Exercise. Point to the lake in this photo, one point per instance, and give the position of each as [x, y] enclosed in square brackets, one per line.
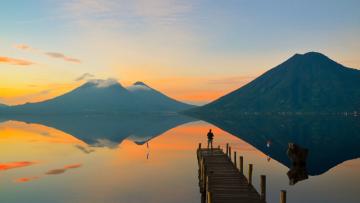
[153, 158]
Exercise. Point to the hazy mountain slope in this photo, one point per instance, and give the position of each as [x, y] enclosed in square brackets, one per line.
[93, 96]
[103, 96]
[304, 83]
[156, 99]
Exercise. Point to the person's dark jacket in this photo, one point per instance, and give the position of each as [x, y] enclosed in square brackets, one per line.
[210, 135]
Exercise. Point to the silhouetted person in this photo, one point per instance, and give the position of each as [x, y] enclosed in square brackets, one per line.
[210, 136]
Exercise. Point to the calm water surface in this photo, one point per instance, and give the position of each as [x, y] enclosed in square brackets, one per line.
[44, 164]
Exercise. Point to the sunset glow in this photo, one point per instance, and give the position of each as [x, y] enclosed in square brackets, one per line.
[179, 101]
[177, 47]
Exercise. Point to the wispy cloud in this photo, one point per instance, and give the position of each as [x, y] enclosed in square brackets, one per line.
[126, 12]
[14, 61]
[56, 55]
[104, 83]
[26, 179]
[62, 56]
[55, 171]
[50, 172]
[84, 76]
[72, 166]
[12, 165]
[23, 47]
[58, 171]
[86, 150]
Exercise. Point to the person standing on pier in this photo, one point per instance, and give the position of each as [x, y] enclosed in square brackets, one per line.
[210, 136]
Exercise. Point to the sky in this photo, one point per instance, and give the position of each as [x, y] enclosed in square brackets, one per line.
[192, 50]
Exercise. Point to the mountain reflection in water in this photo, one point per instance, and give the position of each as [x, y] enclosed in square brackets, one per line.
[109, 131]
[328, 140]
[307, 145]
[50, 161]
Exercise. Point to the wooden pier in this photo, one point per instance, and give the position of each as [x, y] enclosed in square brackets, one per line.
[221, 181]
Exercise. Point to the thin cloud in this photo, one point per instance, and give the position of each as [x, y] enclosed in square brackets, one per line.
[23, 47]
[55, 171]
[84, 149]
[26, 179]
[104, 83]
[72, 166]
[57, 55]
[62, 56]
[13, 165]
[58, 171]
[46, 134]
[98, 12]
[84, 76]
[50, 172]
[13, 61]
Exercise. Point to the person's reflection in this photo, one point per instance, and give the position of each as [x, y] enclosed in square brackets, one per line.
[268, 158]
[148, 151]
[268, 145]
[298, 157]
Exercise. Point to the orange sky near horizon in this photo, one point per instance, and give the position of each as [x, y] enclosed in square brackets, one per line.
[192, 90]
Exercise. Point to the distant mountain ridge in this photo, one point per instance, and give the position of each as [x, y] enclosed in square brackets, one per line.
[105, 96]
[307, 83]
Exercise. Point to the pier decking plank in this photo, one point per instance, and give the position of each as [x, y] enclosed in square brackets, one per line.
[221, 181]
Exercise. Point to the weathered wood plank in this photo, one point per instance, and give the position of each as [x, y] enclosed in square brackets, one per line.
[221, 181]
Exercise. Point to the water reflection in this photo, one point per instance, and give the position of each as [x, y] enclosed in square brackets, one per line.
[298, 156]
[109, 131]
[43, 164]
[329, 140]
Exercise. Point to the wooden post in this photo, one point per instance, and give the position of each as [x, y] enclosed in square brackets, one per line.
[207, 184]
[235, 159]
[198, 151]
[201, 169]
[209, 197]
[229, 153]
[241, 164]
[204, 178]
[250, 174]
[263, 188]
[227, 148]
[283, 196]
